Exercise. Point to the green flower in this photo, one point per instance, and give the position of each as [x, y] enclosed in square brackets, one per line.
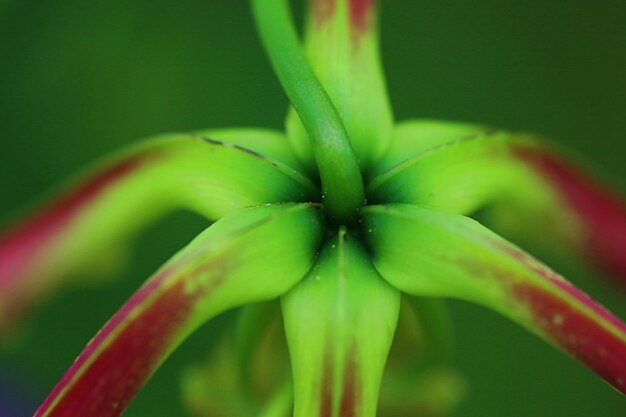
[336, 219]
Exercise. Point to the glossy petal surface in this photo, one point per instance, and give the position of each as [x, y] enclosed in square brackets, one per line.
[339, 322]
[104, 207]
[231, 264]
[423, 252]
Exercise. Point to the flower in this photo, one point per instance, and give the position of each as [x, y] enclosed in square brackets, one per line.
[338, 263]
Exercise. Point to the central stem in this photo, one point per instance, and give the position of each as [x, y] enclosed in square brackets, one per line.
[342, 184]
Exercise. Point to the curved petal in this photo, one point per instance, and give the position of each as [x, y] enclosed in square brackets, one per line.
[247, 374]
[272, 144]
[457, 176]
[418, 379]
[424, 252]
[341, 40]
[111, 202]
[413, 137]
[232, 263]
[529, 191]
[339, 323]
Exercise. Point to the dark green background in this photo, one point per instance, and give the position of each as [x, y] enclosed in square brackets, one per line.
[81, 78]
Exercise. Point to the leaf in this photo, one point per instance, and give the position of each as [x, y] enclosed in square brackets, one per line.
[106, 205]
[231, 264]
[338, 347]
[341, 40]
[429, 253]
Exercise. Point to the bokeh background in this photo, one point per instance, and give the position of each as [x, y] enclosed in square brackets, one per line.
[81, 78]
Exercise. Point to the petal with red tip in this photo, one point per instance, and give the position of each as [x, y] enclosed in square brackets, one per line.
[341, 42]
[425, 252]
[110, 203]
[339, 322]
[527, 189]
[232, 263]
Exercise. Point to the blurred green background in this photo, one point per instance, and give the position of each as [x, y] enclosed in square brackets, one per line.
[79, 79]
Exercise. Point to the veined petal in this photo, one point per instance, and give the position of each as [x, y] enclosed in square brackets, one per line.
[413, 137]
[231, 264]
[339, 322]
[456, 177]
[271, 144]
[342, 44]
[529, 191]
[111, 202]
[425, 252]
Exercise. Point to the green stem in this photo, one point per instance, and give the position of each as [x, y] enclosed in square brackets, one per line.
[342, 184]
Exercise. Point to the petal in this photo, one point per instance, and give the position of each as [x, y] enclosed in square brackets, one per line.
[232, 263]
[339, 322]
[248, 372]
[599, 214]
[272, 144]
[341, 40]
[111, 202]
[456, 177]
[418, 380]
[529, 190]
[413, 137]
[424, 252]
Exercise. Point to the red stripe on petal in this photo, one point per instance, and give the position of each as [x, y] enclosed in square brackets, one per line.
[349, 389]
[323, 10]
[577, 333]
[326, 389]
[23, 244]
[107, 385]
[360, 14]
[602, 214]
[555, 279]
[124, 354]
[22, 241]
[347, 407]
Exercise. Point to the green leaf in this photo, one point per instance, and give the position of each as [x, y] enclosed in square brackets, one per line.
[342, 45]
[338, 347]
[231, 264]
[111, 202]
[413, 137]
[430, 253]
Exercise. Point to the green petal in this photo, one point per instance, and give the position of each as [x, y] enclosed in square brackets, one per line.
[418, 380]
[342, 44]
[231, 264]
[413, 137]
[526, 190]
[429, 253]
[272, 144]
[338, 347]
[111, 202]
[247, 373]
[459, 176]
